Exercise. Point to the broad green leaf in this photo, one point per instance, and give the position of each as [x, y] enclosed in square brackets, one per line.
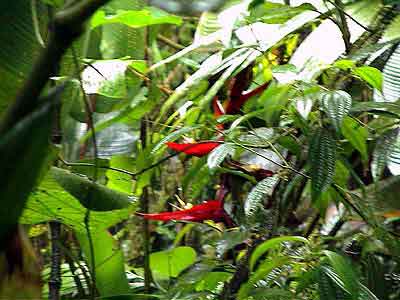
[370, 75]
[258, 137]
[357, 135]
[109, 264]
[93, 196]
[119, 181]
[170, 263]
[257, 196]
[24, 155]
[336, 105]
[18, 49]
[345, 272]
[135, 18]
[212, 280]
[50, 202]
[265, 293]
[322, 158]
[218, 155]
[382, 152]
[272, 243]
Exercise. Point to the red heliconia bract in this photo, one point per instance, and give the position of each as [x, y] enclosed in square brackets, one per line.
[210, 210]
[197, 149]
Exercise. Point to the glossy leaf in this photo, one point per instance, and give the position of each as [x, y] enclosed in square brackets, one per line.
[170, 263]
[135, 18]
[370, 75]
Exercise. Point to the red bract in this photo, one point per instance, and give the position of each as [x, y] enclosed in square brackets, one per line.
[197, 149]
[210, 210]
[236, 102]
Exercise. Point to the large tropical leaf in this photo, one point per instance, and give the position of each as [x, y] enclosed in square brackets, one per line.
[337, 105]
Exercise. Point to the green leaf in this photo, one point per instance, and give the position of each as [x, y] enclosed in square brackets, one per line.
[328, 288]
[229, 240]
[212, 280]
[272, 243]
[118, 181]
[382, 152]
[18, 49]
[258, 195]
[357, 135]
[336, 105]
[344, 64]
[274, 100]
[170, 263]
[263, 270]
[370, 75]
[24, 155]
[108, 260]
[135, 18]
[345, 272]
[322, 158]
[92, 195]
[386, 108]
[50, 202]
[276, 13]
[173, 136]
[218, 155]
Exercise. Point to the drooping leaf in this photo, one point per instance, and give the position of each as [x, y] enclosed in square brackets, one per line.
[135, 18]
[337, 105]
[322, 157]
[229, 240]
[217, 156]
[384, 148]
[92, 195]
[357, 135]
[50, 202]
[170, 263]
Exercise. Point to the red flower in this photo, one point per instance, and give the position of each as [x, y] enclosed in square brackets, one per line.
[210, 210]
[197, 149]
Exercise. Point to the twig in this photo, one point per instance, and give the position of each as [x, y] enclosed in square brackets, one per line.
[349, 16]
[162, 88]
[35, 22]
[170, 42]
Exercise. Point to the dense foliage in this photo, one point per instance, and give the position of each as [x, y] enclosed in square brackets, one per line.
[251, 151]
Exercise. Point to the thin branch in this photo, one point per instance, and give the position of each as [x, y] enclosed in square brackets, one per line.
[349, 16]
[344, 28]
[35, 22]
[170, 42]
